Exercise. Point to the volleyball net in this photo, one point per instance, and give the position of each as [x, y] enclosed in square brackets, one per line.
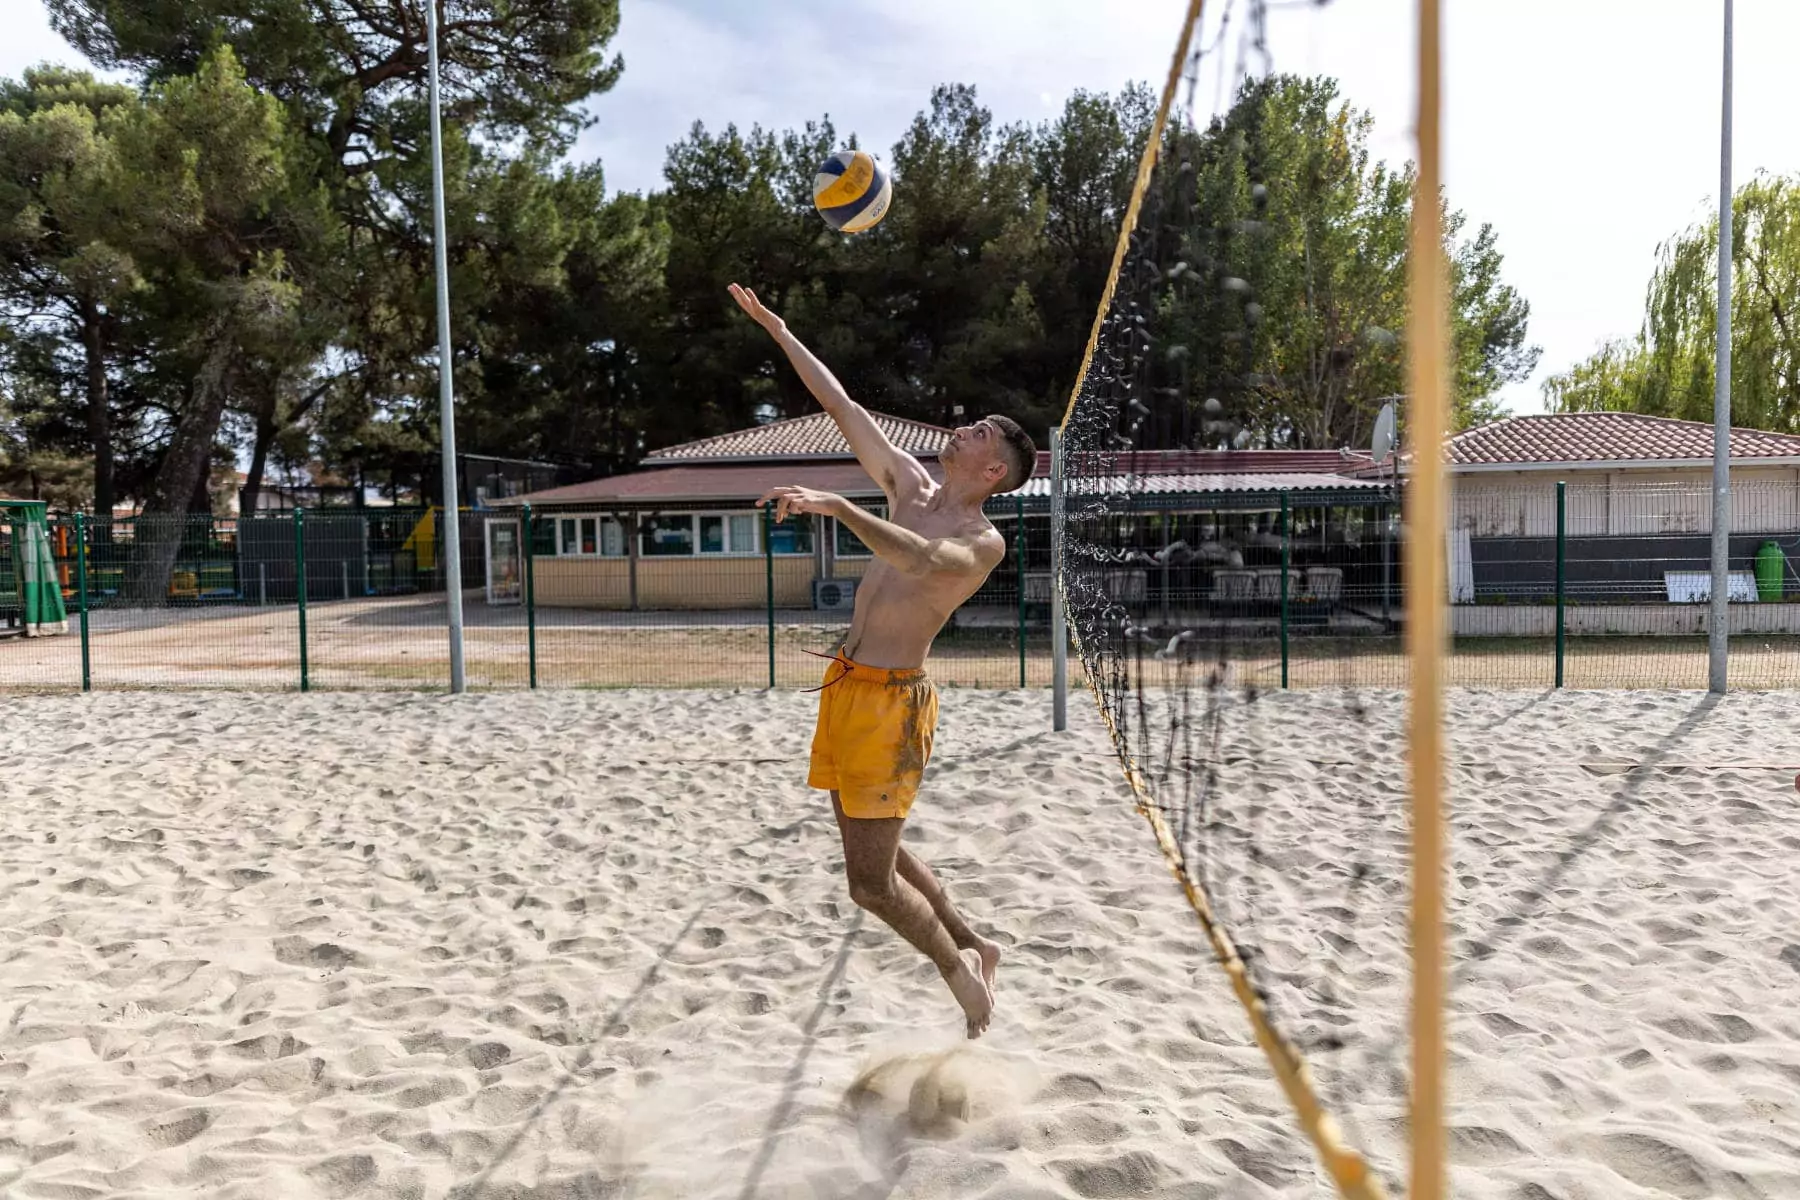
[1185, 558]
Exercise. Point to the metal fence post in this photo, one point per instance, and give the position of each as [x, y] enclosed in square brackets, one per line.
[531, 593]
[1059, 630]
[81, 596]
[300, 592]
[1287, 544]
[1019, 554]
[1562, 545]
[769, 582]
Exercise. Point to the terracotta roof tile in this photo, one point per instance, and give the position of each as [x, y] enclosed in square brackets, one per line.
[1606, 437]
[813, 436]
[736, 484]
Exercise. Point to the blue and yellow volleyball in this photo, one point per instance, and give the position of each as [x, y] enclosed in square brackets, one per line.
[851, 191]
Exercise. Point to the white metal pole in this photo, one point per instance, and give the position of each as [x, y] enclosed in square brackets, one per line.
[1719, 627]
[450, 545]
[1059, 632]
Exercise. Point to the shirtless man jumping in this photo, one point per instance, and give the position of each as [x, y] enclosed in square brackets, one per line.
[877, 709]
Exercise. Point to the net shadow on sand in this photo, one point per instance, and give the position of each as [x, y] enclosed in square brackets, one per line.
[790, 1086]
[575, 1076]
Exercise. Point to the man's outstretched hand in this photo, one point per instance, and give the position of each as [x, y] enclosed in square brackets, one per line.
[792, 498]
[749, 303]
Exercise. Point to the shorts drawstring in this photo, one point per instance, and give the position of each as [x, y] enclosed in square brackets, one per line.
[834, 657]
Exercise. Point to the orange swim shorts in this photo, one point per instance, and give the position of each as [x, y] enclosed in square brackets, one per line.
[873, 737]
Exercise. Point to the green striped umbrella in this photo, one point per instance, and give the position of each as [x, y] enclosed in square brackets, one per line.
[40, 591]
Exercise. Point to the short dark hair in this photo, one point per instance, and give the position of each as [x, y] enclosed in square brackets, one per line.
[1020, 452]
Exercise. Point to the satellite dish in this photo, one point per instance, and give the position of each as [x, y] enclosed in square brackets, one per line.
[1382, 444]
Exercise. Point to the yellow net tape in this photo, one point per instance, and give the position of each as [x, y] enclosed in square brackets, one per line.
[1146, 164]
[1347, 1169]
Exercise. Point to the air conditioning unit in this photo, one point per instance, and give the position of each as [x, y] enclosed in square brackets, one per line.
[834, 594]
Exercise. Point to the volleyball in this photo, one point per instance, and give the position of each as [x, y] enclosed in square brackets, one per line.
[851, 191]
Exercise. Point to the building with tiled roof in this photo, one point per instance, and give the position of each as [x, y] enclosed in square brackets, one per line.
[633, 540]
[683, 530]
[1610, 440]
[1637, 507]
[1625, 474]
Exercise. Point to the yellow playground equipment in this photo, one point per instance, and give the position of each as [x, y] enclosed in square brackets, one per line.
[422, 541]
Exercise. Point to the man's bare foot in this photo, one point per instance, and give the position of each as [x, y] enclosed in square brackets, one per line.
[990, 959]
[971, 991]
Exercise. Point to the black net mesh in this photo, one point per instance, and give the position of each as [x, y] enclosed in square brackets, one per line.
[1201, 588]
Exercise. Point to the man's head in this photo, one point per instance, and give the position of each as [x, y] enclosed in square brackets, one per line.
[994, 452]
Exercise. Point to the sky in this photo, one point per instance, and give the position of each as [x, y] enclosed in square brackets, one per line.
[1585, 131]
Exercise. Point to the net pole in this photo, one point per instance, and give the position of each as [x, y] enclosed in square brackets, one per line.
[1562, 573]
[81, 590]
[1019, 556]
[1424, 599]
[452, 539]
[300, 593]
[1387, 549]
[531, 596]
[768, 584]
[1059, 630]
[1719, 627]
[1286, 557]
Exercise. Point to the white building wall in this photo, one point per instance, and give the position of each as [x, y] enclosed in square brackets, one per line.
[1615, 503]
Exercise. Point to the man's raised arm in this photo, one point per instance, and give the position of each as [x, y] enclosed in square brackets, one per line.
[886, 463]
[976, 550]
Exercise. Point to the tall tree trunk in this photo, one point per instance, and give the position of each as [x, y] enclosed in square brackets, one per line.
[266, 429]
[268, 425]
[157, 536]
[99, 413]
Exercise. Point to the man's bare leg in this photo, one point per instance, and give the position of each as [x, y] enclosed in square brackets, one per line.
[870, 850]
[918, 873]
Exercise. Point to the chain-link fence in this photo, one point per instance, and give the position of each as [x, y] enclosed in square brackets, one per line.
[1602, 585]
[1611, 582]
[1606, 587]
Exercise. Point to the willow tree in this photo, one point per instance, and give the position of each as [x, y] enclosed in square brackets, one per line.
[1667, 369]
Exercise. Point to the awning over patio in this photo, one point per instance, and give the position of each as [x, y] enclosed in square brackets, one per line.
[740, 485]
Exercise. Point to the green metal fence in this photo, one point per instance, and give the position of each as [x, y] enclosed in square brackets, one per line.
[1579, 586]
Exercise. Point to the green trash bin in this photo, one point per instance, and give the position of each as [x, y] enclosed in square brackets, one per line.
[1771, 572]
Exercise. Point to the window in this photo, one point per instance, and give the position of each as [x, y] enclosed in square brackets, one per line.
[846, 543]
[705, 534]
[712, 535]
[543, 536]
[587, 537]
[672, 535]
[792, 536]
[667, 535]
[568, 534]
[728, 533]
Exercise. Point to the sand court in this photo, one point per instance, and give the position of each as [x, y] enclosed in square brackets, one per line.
[580, 945]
